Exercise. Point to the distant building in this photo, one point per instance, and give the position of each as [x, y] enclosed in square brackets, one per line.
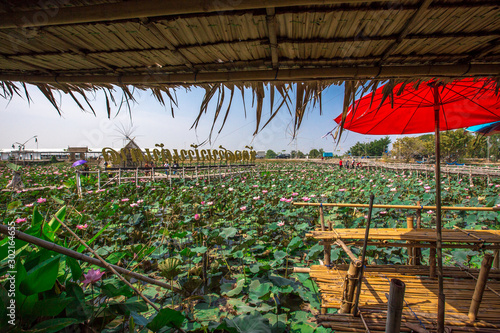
[77, 151]
[260, 154]
[327, 154]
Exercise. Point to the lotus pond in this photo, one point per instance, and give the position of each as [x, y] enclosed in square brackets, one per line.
[226, 246]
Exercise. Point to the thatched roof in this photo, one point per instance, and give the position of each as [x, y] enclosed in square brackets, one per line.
[84, 45]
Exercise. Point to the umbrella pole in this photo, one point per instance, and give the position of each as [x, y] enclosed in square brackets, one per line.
[441, 303]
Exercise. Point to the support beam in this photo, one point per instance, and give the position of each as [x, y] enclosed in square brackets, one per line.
[284, 75]
[402, 34]
[140, 8]
[273, 39]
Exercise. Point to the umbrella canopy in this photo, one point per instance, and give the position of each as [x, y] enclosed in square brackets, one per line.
[410, 109]
[421, 108]
[79, 162]
[486, 129]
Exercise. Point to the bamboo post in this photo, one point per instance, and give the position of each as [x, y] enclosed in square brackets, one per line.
[322, 218]
[418, 251]
[153, 174]
[480, 286]
[99, 179]
[327, 251]
[395, 306]
[183, 174]
[496, 259]
[120, 176]
[350, 282]
[170, 175]
[411, 250]
[196, 171]
[78, 184]
[136, 176]
[432, 260]
[354, 309]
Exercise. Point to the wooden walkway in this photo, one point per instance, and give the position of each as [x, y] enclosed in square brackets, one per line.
[420, 307]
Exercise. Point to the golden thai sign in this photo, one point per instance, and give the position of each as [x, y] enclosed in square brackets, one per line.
[161, 155]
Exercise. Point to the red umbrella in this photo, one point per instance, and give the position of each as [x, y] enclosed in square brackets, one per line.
[421, 108]
[463, 103]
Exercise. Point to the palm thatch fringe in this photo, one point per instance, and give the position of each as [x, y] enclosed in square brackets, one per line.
[307, 95]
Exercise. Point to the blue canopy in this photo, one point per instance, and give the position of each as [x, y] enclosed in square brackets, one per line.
[486, 129]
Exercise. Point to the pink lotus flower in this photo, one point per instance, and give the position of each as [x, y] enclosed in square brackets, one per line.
[92, 277]
[306, 198]
[210, 203]
[197, 217]
[60, 187]
[41, 200]
[231, 189]
[430, 212]
[203, 202]
[21, 220]
[294, 194]
[281, 223]
[257, 197]
[255, 185]
[29, 205]
[243, 208]
[289, 200]
[125, 199]
[82, 226]
[134, 204]
[264, 191]
[342, 189]
[140, 201]
[283, 199]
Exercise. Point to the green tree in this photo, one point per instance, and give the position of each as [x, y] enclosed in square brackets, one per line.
[270, 154]
[408, 147]
[373, 148]
[456, 145]
[314, 153]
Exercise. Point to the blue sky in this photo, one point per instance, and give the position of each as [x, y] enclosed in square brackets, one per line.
[153, 123]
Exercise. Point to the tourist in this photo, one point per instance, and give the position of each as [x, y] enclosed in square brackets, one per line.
[175, 166]
[85, 169]
[340, 164]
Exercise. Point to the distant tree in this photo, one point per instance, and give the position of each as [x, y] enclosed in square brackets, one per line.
[378, 147]
[270, 154]
[359, 149]
[408, 147]
[300, 154]
[314, 153]
[373, 148]
[456, 145]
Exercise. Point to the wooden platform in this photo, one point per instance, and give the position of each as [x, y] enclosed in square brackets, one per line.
[401, 236]
[420, 299]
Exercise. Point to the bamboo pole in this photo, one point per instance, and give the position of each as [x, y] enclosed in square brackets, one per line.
[120, 176]
[496, 259]
[136, 9]
[411, 250]
[432, 261]
[395, 306]
[485, 209]
[354, 309]
[79, 256]
[108, 266]
[284, 75]
[355, 261]
[352, 274]
[480, 286]
[322, 217]
[99, 179]
[327, 253]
